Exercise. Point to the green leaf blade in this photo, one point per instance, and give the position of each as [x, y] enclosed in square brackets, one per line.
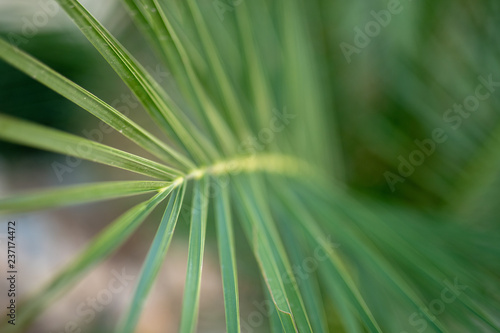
[16, 131]
[197, 233]
[154, 259]
[226, 87]
[76, 194]
[227, 256]
[90, 103]
[156, 101]
[336, 267]
[307, 282]
[99, 248]
[271, 255]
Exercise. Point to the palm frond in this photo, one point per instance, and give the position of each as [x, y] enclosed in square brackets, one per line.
[285, 139]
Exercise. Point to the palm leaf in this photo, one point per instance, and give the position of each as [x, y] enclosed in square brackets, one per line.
[103, 245]
[295, 181]
[152, 263]
[272, 258]
[77, 194]
[225, 238]
[13, 130]
[154, 99]
[195, 257]
[89, 102]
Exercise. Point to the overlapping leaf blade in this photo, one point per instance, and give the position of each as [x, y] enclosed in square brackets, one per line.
[89, 102]
[305, 269]
[271, 255]
[175, 49]
[155, 100]
[225, 238]
[335, 265]
[196, 250]
[154, 259]
[104, 244]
